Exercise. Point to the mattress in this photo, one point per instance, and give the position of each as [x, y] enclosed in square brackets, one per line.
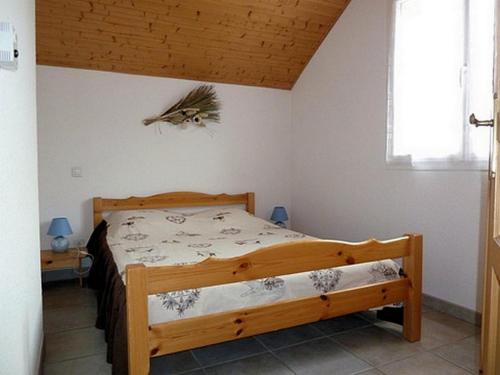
[163, 237]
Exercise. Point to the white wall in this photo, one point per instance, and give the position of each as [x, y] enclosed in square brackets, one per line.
[93, 120]
[341, 186]
[20, 292]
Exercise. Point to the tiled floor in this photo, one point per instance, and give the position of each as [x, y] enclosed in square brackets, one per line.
[356, 344]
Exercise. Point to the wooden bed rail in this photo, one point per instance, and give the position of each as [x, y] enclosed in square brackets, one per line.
[281, 259]
[171, 200]
[145, 341]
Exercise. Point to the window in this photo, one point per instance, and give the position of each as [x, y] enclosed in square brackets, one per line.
[441, 70]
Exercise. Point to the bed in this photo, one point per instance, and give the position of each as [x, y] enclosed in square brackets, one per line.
[170, 281]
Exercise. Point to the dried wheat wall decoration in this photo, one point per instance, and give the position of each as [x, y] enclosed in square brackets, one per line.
[200, 105]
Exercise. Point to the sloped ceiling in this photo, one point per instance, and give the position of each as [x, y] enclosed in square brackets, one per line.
[257, 42]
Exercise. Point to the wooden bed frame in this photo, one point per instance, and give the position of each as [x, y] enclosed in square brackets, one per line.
[145, 341]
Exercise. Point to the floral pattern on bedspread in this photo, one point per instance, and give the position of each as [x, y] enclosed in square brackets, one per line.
[274, 285]
[381, 271]
[326, 280]
[179, 301]
[162, 237]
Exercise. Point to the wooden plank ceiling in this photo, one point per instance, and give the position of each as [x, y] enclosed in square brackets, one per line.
[256, 42]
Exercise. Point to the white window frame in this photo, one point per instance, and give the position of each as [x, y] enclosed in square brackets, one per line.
[451, 163]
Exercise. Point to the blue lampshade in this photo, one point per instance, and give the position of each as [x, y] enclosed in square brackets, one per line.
[279, 214]
[59, 227]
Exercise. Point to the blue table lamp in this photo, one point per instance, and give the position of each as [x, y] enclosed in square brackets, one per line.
[279, 216]
[59, 227]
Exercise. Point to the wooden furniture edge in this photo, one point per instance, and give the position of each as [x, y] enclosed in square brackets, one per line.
[170, 200]
[280, 259]
[145, 340]
[412, 266]
[72, 258]
[178, 335]
[137, 316]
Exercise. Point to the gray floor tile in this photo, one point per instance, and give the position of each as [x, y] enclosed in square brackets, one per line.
[321, 356]
[422, 364]
[228, 351]
[259, 364]
[95, 365]
[290, 336]
[439, 329]
[70, 317]
[372, 371]
[194, 372]
[73, 344]
[370, 315]
[341, 324]
[64, 294]
[173, 363]
[376, 346]
[71, 349]
[394, 328]
[464, 353]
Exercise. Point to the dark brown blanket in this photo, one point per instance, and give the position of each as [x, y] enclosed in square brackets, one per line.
[111, 307]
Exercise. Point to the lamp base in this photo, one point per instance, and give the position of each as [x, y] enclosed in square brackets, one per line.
[280, 224]
[60, 244]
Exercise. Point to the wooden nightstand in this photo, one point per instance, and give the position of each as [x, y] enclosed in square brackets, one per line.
[71, 259]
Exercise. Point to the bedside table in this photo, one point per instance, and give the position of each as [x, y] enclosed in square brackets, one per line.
[51, 261]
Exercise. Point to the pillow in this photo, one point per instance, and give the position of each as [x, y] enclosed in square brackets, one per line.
[118, 220]
[219, 213]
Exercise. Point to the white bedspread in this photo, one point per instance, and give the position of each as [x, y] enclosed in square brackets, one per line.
[161, 237]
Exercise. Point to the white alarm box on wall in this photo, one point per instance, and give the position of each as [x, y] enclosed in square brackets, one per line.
[8, 46]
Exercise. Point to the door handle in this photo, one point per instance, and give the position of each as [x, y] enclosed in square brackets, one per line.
[474, 121]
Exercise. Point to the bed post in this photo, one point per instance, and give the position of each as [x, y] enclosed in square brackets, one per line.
[97, 202]
[250, 206]
[137, 320]
[412, 266]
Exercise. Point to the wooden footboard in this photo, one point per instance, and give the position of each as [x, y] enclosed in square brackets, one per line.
[145, 341]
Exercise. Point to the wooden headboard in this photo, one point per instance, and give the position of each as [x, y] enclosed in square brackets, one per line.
[174, 199]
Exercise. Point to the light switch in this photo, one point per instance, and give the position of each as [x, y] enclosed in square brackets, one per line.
[76, 172]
